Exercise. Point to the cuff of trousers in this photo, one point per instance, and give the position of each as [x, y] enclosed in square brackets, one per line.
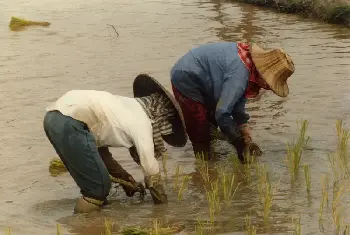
[93, 201]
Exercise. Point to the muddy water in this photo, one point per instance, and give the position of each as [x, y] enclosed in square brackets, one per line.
[80, 51]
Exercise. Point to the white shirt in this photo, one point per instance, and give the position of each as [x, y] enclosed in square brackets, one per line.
[114, 121]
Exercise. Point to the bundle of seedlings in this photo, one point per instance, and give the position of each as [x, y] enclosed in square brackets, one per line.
[19, 23]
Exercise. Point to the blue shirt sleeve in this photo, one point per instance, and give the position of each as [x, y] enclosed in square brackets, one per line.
[232, 93]
[239, 114]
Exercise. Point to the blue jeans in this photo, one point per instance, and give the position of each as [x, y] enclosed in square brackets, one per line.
[76, 147]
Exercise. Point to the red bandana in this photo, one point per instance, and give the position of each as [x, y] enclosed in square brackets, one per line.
[255, 81]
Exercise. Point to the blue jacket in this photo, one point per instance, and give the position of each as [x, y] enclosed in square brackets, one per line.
[214, 75]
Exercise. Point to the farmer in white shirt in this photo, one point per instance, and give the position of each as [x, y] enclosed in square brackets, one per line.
[82, 124]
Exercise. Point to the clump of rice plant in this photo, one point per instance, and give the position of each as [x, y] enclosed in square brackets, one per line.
[294, 151]
[19, 23]
[339, 160]
[297, 225]
[227, 182]
[56, 167]
[183, 187]
[249, 227]
[307, 178]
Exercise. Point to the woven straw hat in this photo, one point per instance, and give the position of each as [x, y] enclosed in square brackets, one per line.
[274, 66]
[145, 85]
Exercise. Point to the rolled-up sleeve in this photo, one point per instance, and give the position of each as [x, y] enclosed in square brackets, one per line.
[231, 96]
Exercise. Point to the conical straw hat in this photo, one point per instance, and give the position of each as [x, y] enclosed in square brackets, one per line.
[274, 66]
[145, 85]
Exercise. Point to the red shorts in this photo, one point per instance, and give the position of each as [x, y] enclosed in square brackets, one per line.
[196, 118]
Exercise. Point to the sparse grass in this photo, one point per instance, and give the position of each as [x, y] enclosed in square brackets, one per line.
[183, 187]
[19, 23]
[249, 227]
[295, 150]
[307, 178]
[297, 225]
[326, 10]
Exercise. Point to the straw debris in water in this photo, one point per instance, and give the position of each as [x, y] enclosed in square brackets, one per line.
[19, 23]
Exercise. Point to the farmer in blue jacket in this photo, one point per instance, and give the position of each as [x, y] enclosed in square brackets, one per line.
[212, 83]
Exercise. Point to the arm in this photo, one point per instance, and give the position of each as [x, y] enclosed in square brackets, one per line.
[150, 167]
[117, 171]
[231, 96]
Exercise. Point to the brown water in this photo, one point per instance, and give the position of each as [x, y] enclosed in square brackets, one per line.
[80, 51]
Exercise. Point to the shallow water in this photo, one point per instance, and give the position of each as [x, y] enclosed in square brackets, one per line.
[80, 51]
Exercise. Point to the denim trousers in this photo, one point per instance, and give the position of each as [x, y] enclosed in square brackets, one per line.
[77, 149]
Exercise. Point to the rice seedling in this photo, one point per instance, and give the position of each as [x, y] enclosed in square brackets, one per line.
[199, 227]
[307, 178]
[294, 151]
[176, 178]
[203, 169]
[19, 23]
[338, 193]
[265, 191]
[339, 160]
[346, 230]
[213, 199]
[58, 229]
[183, 187]
[263, 179]
[156, 227]
[297, 225]
[249, 227]
[267, 201]
[164, 163]
[7, 231]
[324, 198]
[245, 170]
[108, 226]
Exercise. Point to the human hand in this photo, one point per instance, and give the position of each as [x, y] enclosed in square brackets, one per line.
[155, 185]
